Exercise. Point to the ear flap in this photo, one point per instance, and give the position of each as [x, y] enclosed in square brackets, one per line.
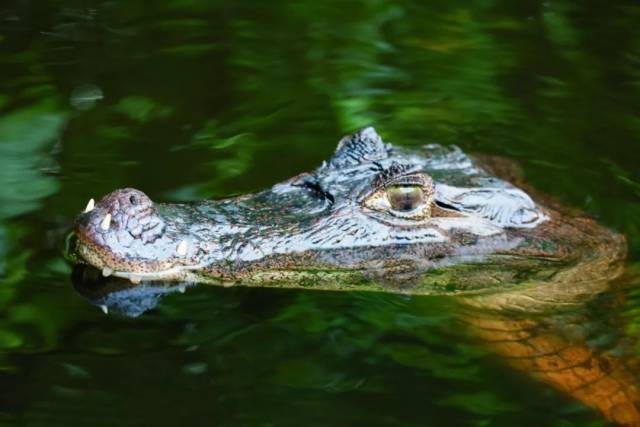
[364, 146]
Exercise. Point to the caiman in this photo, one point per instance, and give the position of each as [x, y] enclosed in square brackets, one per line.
[379, 217]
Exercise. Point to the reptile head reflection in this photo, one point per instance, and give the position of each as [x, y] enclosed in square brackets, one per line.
[372, 211]
[120, 296]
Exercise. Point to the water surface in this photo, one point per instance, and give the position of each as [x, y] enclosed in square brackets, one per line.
[189, 100]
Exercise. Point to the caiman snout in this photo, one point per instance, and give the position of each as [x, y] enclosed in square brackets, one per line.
[121, 228]
[126, 214]
[127, 235]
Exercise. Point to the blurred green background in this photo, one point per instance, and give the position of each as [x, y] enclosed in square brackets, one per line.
[191, 99]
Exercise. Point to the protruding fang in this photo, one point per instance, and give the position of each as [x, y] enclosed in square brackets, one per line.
[106, 222]
[90, 206]
[182, 248]
[182, 289]
[106, 272]
[135, 279]
[104, 309]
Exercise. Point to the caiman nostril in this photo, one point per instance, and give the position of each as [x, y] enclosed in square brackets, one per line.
[128, 215]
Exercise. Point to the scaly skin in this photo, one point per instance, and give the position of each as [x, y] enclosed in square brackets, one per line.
[336, 219]
[468, 230]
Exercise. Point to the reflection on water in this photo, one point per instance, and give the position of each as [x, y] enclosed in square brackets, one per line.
[120, 296]
[188, 100]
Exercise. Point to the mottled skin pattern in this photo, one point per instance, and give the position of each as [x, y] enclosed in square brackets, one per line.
[473, 231]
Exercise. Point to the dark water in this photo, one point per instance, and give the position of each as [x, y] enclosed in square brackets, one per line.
[189, 99]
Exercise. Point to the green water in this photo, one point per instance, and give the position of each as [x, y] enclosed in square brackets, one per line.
[189, 99]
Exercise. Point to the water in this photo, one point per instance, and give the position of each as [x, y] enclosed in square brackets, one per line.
[189, 100]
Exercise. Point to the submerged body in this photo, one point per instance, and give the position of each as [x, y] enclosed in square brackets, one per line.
[378, 217]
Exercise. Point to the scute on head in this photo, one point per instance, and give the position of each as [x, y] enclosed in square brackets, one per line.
[361, 147]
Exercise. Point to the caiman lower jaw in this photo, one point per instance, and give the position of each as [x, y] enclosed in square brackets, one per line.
[135, 271]
[167, 272]
[112, 266]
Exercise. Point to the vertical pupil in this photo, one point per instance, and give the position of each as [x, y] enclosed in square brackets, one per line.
[404, 198]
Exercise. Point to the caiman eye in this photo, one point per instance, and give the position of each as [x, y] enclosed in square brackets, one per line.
[411, 200]
[405, 198]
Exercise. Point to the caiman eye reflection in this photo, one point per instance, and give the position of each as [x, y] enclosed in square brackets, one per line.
[408, 201]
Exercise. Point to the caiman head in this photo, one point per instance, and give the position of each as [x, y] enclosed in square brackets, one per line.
[379, 216]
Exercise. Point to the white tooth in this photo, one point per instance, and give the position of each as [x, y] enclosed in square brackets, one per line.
[106, 222]
[182, 248]
[182, 289]
[104, 309]
[135, 280]
[106, 272]
[90, 206]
